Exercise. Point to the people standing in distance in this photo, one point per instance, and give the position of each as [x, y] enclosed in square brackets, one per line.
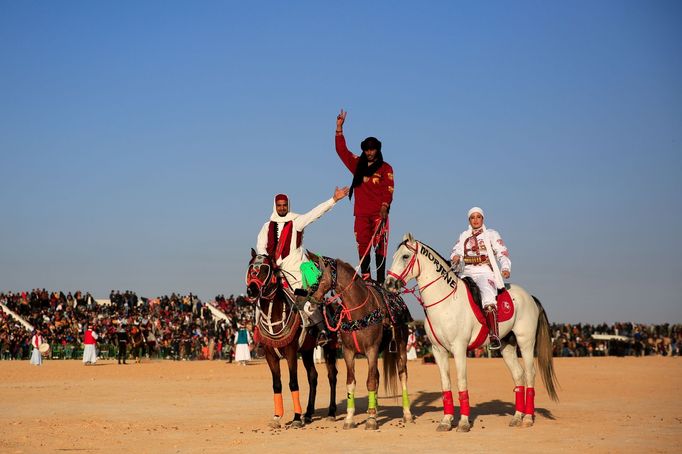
[90, 341]
[36, 341]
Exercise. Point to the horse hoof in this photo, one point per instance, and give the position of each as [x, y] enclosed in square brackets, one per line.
[463, 427]
[443, 427]
[296, 424]
[307, 419]
[515, 422]
[527, 421]
[371, 424]
[274, 424]
[408, 418]
[349, 425]
[331, 418]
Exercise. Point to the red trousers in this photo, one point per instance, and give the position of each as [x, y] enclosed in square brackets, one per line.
[365, 228]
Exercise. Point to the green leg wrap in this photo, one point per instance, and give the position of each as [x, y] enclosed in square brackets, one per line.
[406, 399]
[372, 397]
[351, 400]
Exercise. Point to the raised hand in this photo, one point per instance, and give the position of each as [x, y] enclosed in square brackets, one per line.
[340, 119]
[340, 193]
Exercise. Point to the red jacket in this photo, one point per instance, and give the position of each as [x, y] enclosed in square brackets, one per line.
[374, 192]
[89, 338]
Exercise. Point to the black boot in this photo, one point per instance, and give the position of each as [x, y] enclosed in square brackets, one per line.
[317, 320]
[494, 333]
[381, 268]
[365, 267]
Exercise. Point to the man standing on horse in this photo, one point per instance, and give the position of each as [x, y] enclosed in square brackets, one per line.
[480, 249]
[282, 239]
[373, 189]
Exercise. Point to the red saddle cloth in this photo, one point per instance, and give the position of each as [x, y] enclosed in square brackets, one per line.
[505, 311]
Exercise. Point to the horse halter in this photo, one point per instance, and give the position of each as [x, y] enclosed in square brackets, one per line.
[416, 288]
[252, 277]
[410, 266]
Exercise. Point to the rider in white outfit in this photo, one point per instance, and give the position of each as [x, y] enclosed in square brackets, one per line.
[282, 239]
[473, 251]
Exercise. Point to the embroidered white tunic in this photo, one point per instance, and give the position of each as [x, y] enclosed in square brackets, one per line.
[291, 264]
[479, 251]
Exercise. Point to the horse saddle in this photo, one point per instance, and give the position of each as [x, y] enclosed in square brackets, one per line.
[396, 309]
[505, 309]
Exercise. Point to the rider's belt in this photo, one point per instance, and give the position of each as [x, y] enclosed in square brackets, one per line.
[476, 260]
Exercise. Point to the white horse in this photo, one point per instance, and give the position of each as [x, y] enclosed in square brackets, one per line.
[452, 326]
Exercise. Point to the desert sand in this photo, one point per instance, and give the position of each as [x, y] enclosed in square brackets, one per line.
[606, 405]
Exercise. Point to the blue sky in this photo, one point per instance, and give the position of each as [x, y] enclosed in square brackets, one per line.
[141, 142]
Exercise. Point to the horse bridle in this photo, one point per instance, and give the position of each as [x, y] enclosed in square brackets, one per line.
[410, 266]
[345, 311]
[252, 277]
[416, 288]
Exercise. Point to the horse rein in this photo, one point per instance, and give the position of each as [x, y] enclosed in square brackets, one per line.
[345, 311]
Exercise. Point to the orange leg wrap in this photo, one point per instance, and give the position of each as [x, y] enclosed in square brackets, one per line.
[297, 402]
[279, 405]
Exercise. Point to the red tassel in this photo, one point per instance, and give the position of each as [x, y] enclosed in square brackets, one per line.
[448, 403]
[530, 401]
[520, 399]
[464, 403]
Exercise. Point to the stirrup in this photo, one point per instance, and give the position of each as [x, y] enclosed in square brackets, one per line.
[322, 339]
[495, 343]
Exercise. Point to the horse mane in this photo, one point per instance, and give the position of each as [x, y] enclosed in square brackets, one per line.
[436, 253]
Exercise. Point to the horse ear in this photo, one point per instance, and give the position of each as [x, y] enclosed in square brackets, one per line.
[323, 266]
[253, 253]
[408, 237]
[314, 257]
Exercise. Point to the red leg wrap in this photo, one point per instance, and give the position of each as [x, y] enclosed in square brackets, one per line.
[448, 403]
[464, 403]
[520, 398]
[530, 401]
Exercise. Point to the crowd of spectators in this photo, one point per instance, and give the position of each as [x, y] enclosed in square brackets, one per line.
[172, 326]
[181, 327]
[579, 340]
[619, 339]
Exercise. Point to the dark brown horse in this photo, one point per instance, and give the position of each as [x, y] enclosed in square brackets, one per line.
[366, 327]
[280, 331]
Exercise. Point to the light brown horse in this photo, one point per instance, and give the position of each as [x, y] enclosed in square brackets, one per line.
[364, 327]
[279, 332]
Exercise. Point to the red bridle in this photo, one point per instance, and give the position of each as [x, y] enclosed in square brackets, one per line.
[410, 266]
[345, 310]
[270, 279]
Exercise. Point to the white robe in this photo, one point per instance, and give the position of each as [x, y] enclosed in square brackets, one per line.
[487, 279]
[291, 264]
[411, 347]
[36, 356]
[242, 352]
[90, 352]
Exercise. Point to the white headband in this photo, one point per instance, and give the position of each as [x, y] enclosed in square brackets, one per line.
[475, 210]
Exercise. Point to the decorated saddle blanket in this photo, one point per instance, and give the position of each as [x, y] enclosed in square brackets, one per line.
[397, 310]
[505, 311]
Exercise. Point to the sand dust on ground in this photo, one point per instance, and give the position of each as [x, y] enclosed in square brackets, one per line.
[606, 405]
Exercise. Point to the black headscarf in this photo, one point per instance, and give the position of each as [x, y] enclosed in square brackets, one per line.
[364, 168]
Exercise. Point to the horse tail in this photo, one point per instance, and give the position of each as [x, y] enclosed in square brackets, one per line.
[390, 372]
[543, 346]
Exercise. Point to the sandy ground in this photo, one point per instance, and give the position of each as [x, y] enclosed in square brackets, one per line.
[607, 405]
